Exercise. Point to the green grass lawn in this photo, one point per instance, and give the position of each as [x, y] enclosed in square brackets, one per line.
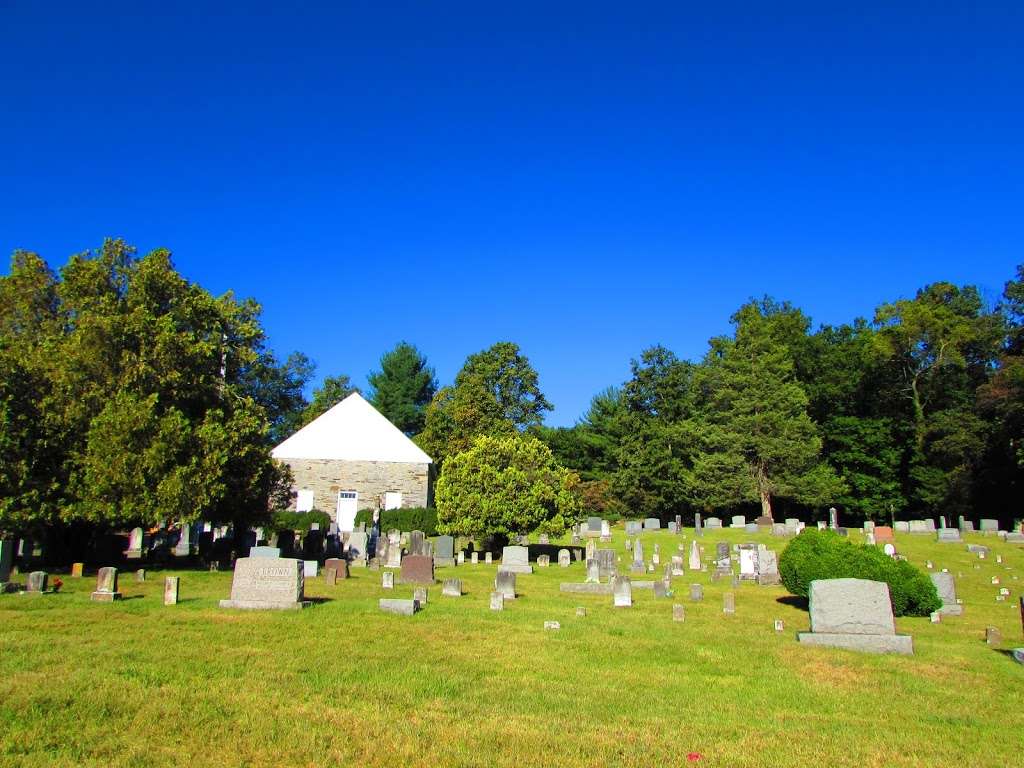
[139, 684]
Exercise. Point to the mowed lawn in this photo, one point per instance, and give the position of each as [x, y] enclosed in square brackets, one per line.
[139, 684]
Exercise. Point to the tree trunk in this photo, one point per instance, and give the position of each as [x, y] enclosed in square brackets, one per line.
[766, 505]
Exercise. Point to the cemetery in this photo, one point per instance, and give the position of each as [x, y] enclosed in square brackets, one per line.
[600, 658]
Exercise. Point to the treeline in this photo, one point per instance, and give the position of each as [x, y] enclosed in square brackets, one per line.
[129, 395]
[916, 412]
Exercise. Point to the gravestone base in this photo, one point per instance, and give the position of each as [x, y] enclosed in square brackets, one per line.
[951, 610]
[439, 562]
[902, 644]
[516, 568]
[105, 597]
[399, 607]
[587, 589]
[265, 605]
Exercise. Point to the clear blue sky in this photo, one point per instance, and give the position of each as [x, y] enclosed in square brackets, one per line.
[584, 179]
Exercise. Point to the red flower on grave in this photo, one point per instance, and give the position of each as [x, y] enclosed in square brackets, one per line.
[693, 757]
[57, 584]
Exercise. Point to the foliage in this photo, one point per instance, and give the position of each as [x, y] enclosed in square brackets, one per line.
[302, 522]
[495, 393]
[506, 485]
[131, 396]
[758, 423]
[404, 519]
[403, 387]
[818, 554]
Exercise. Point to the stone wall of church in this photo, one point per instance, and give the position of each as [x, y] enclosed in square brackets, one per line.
[369, 479]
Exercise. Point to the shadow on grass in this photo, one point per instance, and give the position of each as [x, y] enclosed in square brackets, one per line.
[793, 601]
[1010, 653]
[318, 600]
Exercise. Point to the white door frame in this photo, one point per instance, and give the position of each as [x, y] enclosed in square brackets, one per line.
[348, 500]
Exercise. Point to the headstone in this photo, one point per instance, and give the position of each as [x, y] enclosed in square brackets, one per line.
[36, 582]
[387, 580]
[694, 564]
[393, 557]
[264, 583]
[184, 547]
[358, 549]
[967, 526]
[948, 535]
[140, 576]
[606, 529]
[310, 569]
[660, 590]
[729, 603]
[696, 592]
[901, 526]
[622, 592]
[330, 577]
[778, 529]
[552, 625]
[420, 596]
[488, 558]
[338, 565]
[679, 523]
[723, 560]
[417, 543]
[460, 559]
[751, 528]
[638, 553]
[738, 521]
[993, 636]
[822, 525]
[593, 527]
[748, 562]
[564, 558]
[171, 590]
[697, 528]
[134, 551]
[606, 562]
[581, 612]
[833, 518]
[543, 539]
[505, 583]
[633, 527]
[946, 587]
[678, 612]
[713, 523]
[918, 526]
[677, 565]
[474, 558]
[543, 561]
[883, 533]
[779, 626]
[652, 524]
[77, 569]
[516, 560]
[452, 588]
[444, 551]
[398, 607]
[767, 567]
[855, 614]
[593, 571]
[591, 550]
[417, 569]
[497, 601]
[106, 586]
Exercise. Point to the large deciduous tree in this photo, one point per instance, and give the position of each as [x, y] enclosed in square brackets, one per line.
[495, 393]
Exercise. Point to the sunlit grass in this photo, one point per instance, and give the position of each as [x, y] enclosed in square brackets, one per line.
[139, 684]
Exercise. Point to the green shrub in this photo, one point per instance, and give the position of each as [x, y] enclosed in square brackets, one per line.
[816, 554]
[289, 520]
[405, 519]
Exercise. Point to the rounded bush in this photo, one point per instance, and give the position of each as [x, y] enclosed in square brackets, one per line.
[816, 554]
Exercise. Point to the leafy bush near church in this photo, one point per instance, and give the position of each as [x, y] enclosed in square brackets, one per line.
[816, 554]
[506, 485]
[289, 520]
[405, 519]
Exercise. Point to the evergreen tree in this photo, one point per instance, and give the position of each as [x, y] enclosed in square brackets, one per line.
[403, 387]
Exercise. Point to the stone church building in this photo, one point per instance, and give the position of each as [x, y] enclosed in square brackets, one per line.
[352, 458]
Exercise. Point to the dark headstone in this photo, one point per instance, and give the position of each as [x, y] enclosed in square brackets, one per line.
[417, 569]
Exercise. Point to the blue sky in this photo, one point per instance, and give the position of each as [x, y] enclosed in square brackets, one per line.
[584, 179]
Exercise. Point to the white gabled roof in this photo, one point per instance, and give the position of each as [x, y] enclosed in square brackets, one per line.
[353, 430]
